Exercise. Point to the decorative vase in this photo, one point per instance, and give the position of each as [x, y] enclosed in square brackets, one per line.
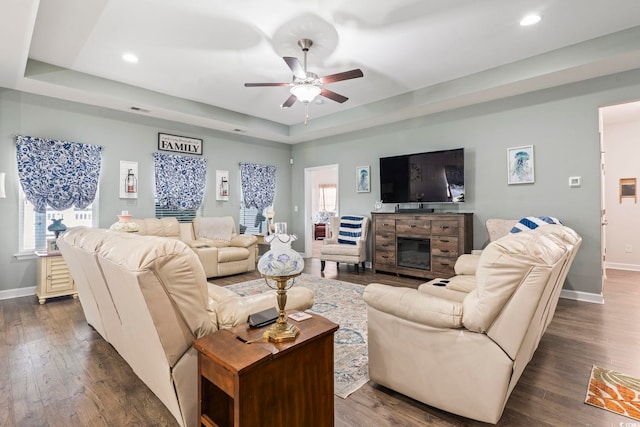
[124, 224]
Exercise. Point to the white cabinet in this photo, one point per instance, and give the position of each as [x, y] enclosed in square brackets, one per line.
[54, 279]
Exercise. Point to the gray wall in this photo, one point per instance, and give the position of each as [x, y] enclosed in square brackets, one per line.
[123, 136]
[561, 123]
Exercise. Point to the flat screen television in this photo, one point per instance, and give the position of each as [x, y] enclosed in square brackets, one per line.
[431, 177]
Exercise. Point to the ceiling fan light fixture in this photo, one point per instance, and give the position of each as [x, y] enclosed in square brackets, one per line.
[305, 92]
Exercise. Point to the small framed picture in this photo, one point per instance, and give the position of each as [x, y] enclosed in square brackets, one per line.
[363, 179]
[52, 247]
[520, 165]
[628, 189]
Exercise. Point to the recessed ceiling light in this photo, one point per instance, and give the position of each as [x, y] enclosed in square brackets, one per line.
[130, 57]
[530, 20]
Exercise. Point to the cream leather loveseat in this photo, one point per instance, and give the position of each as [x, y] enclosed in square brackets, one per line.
[149, 298]
[222, 252]
[463, 346]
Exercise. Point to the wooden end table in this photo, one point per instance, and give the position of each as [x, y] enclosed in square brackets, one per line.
[267, 384]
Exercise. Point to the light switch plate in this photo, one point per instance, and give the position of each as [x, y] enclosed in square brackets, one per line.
[575, 181]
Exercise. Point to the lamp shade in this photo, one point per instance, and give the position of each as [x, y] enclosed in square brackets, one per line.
[305, 92]
[280, 260]
[3, 194]
[56, 226]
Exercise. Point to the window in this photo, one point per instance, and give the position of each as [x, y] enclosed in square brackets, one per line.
[328, 197]
[252, 221]
[33, 231]
[186, 215]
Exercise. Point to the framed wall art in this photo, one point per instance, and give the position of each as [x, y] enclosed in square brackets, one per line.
[628, 189]
[520, 165]
[222, 185]
[179, 144]
[363, 179]
[128, 183]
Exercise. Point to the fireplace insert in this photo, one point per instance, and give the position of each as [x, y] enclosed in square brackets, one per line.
[414, 253]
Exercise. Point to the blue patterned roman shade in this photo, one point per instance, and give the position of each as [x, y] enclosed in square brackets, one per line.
[258, 185]
[59, 174]
[180, 181]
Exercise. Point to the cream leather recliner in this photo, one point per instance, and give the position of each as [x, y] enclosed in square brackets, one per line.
[149, 298]
[333, 250]
[463, 350]
[222, 252]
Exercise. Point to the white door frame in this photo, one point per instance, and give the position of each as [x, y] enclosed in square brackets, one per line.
[308, 214]
[603, 207]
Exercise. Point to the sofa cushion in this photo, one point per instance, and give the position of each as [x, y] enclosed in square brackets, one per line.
[466, 264]
[214, 228]
[230, 254]
[505, 265]
[175, 268]
[414, 305]
[163, 227]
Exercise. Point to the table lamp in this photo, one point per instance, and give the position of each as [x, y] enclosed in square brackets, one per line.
[57, 226]
[282, 265]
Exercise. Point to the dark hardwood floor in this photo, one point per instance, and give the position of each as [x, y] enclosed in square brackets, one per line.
[55, 370]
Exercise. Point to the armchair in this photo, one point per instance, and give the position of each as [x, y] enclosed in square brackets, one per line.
[347, 241]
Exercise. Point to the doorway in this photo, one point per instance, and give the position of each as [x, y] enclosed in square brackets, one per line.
[619, 133]
[321, 192]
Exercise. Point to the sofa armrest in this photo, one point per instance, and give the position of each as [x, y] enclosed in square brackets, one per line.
[219, 293]
[414, 306]
[235, 311]
[243, 241]
[466, 264]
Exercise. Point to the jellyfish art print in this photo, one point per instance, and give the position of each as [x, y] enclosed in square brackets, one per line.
[521, 165]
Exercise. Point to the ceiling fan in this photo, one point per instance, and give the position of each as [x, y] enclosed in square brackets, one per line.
[307, 85]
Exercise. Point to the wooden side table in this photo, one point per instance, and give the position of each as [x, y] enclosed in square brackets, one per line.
[267, 384]
[54, 279]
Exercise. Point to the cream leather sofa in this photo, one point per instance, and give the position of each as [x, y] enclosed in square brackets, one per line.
[463, 348]
[149, 298]
[232, 254]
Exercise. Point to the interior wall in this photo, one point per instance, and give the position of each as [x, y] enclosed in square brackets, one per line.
[124, 136]
[562, 125]
[621, 157]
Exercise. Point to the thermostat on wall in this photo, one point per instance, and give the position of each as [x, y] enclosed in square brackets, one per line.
[575, 181]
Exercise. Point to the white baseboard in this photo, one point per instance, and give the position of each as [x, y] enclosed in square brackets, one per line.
[582, 296]
[620, 266]
[17, 293]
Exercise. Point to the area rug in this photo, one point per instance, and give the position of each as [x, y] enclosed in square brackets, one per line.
[342, 303]
[615, 392]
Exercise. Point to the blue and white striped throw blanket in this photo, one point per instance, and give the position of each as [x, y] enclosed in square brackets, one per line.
[533, 222]
[350, 229]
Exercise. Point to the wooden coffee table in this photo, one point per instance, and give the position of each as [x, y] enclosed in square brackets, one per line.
[267, 384]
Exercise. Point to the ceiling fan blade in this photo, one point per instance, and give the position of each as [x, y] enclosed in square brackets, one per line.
[332, 95]
[289, 102]
[266, 84]
[295, 66]
[346, 75]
